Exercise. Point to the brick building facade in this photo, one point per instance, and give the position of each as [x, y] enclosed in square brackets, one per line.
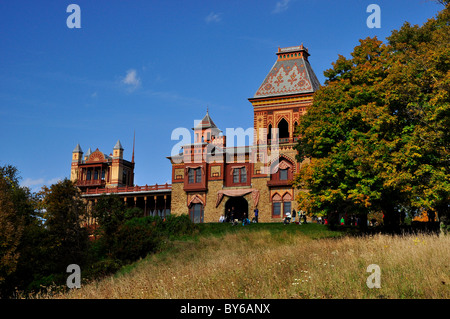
[210, 179]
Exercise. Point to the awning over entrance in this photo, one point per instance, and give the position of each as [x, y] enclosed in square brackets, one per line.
[237, 193]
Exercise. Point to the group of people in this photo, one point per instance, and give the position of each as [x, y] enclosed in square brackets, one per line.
[289, 216]
[232, 217]
[352, 220]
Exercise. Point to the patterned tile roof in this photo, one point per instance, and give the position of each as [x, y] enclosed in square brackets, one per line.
[291, 74]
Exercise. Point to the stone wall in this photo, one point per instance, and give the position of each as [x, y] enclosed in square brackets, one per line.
[211, 212]
[178, 200]
[264, 205]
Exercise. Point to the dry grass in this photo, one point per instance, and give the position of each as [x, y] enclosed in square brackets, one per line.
[263, 265]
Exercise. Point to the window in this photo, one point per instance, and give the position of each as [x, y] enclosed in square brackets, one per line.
[236, 175]
[196, 213]
[195, 175]
[239, 175]
[96, 174]
[276, 209]
[243, 175]
[125, 177]
[191, 174]
[88, 175]
[269, 132]
[283, 129]
[283, 174]
[286, 207]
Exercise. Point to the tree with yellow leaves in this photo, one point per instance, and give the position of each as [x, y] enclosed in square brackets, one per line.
[377, 134]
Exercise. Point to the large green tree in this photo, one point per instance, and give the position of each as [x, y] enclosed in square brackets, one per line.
[20, 226]
[66, 241]
[376, 135]
[11, 223]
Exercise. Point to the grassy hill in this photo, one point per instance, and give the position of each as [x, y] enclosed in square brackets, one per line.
[281, 261]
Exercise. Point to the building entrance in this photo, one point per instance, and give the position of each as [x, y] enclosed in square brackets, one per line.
[238, 205]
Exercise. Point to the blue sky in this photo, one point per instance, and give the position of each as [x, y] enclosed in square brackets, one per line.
[153, 66]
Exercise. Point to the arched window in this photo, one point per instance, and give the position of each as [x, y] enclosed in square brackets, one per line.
[283, 129]
[287, 199]
[269, 133]
[276, 205]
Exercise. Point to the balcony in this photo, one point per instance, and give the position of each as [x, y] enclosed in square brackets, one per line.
[92, 182]
[274, 183]
[284, 140]
[129, 189]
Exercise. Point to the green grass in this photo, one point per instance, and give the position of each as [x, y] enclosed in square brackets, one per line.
[311, 230]
[278, 232]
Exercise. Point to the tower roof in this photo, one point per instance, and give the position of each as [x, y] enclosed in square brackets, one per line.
[291, 74]
[77, 149]
[206, 123]
[118, 146]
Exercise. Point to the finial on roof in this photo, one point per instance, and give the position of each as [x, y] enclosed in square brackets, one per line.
[118, 146]
[77, 149]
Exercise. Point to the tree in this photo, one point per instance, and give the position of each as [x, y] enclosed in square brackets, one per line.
[376, 135]
[65, 213]
[11, 223]
[20, 230]
[109, 212]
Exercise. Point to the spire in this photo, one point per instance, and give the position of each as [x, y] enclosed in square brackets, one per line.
[77, 149]
[89, 152]
[134, 137]
[118, 146]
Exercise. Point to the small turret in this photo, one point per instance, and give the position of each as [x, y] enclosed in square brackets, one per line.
[88, 153]
[118, 150]
[77, 159]
[77, 154]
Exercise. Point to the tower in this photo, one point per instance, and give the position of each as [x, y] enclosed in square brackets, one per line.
[285, 94]
[77, 158]
[283, 97]
[118, 151]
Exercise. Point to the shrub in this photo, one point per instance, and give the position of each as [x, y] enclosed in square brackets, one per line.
[178, 225]
[102, 268]
[134, 241]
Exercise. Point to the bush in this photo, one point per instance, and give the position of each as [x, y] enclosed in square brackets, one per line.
[134, 241]
[178, 226]
[102, 268]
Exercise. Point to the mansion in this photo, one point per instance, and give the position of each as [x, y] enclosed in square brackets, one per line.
[210, 178]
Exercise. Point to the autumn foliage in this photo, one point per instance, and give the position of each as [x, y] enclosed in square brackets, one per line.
[377, 134]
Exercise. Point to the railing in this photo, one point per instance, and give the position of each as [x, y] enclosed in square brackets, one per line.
[127, 189]
[92, 182]
[279, 182]
[284, 140]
